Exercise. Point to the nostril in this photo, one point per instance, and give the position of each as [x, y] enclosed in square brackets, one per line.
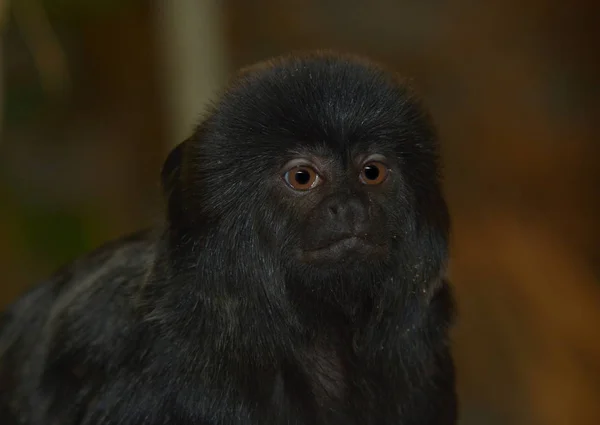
[333, 209]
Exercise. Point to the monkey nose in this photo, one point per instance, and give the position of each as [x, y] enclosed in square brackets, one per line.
[348, 214]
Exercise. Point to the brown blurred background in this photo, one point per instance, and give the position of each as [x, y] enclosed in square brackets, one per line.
[95, 92]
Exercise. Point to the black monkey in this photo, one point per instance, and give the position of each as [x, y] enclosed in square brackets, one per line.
[299, 277]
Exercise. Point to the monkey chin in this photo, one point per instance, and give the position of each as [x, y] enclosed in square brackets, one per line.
[348, 249]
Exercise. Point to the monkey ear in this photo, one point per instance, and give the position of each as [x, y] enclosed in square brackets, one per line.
[170, 177]
[173, 177]
[171, 170]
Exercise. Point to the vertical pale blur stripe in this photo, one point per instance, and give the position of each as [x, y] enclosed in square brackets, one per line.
[3, 18]
[190, 37]
[1, 81]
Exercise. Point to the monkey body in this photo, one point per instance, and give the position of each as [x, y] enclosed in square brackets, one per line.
[277, 292]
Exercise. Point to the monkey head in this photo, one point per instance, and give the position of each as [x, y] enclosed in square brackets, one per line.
[325, 164]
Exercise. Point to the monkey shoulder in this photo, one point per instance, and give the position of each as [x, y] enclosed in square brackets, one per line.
[86, 310]
[75, 331]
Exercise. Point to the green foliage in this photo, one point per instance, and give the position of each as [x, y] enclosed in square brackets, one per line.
[53, 236]
[23, 102]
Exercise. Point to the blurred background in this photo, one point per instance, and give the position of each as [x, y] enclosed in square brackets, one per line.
[94, 93]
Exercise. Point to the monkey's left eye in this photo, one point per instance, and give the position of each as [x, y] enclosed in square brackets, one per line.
[373, 173]
[302, 178]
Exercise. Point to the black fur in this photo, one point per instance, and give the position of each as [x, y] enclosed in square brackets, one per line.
[218, 318]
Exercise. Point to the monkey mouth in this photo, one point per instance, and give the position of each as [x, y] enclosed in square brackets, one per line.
[341, 249]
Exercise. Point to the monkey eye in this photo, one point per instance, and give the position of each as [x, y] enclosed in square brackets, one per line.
[302, 178]
[374, 173]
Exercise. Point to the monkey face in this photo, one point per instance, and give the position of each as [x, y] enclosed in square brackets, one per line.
[326, 162]
[341, 206]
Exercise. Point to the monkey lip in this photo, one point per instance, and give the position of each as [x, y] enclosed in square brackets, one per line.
[340, 249]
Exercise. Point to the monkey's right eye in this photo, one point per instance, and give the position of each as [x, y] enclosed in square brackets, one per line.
[302, 178]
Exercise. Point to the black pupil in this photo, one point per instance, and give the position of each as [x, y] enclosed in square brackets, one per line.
[371, 172]
[302, 177]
